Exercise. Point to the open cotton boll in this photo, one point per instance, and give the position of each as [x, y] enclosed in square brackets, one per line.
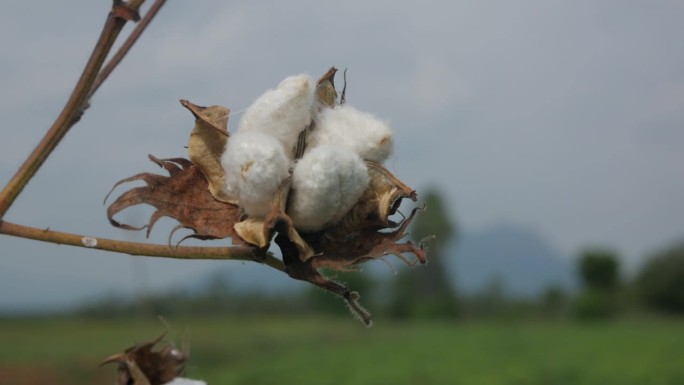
[326, 183]
[255, 165]
[344, 125]
[282, 112]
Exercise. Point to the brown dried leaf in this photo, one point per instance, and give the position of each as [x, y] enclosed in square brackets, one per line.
[184, 196]
[207, 143]
[142, 364]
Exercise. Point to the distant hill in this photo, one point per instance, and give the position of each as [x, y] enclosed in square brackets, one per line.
[520, 259]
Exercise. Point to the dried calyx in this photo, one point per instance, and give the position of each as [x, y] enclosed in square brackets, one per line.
[301, 170]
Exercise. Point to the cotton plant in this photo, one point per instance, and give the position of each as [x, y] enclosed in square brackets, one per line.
[303, 170]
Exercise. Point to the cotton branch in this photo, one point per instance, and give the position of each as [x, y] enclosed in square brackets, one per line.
[240, 253]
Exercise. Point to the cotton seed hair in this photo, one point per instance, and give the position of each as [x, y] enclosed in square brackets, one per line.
[326, 183]
[282, 112]
[255, 164]
[362, 132]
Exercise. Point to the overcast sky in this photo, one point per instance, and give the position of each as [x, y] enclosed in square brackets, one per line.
[565, 117]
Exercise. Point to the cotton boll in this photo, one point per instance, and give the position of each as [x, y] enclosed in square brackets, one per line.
[255, 165]
[344, 125]
[326, 183]
[282, 112]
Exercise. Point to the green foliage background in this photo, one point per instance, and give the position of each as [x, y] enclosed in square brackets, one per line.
[660, 283]
[319, 350]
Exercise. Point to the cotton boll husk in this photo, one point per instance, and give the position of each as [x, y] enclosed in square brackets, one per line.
[344, 125]
[326, 183]
[282, 112]
[255, 165]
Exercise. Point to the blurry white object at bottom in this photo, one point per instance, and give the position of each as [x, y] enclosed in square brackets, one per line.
[185, 381]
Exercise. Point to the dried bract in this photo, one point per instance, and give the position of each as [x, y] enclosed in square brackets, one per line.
[183, 195]
[206, 144]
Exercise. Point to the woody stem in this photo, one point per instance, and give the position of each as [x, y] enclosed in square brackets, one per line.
[240, 253]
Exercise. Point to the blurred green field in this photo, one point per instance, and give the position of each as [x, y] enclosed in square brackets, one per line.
[340, 351]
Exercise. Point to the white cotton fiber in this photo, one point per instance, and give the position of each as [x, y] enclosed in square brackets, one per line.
[326, 183]
[255, 165]
[344, 125]
[282, 112]
[185, 381]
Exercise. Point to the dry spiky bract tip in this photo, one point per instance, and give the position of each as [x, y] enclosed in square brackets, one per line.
[302, 171]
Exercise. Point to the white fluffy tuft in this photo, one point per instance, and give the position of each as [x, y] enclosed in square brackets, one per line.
[255, 165]
[282, 112]
[326, 183]
[344, 125]
[185, 381]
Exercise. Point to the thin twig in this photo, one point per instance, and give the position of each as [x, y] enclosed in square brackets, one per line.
[125, 47]
[240, 253]
[116, 19]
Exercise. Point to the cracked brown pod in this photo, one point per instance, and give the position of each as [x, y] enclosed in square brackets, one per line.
[149, 363]
[193, 194]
